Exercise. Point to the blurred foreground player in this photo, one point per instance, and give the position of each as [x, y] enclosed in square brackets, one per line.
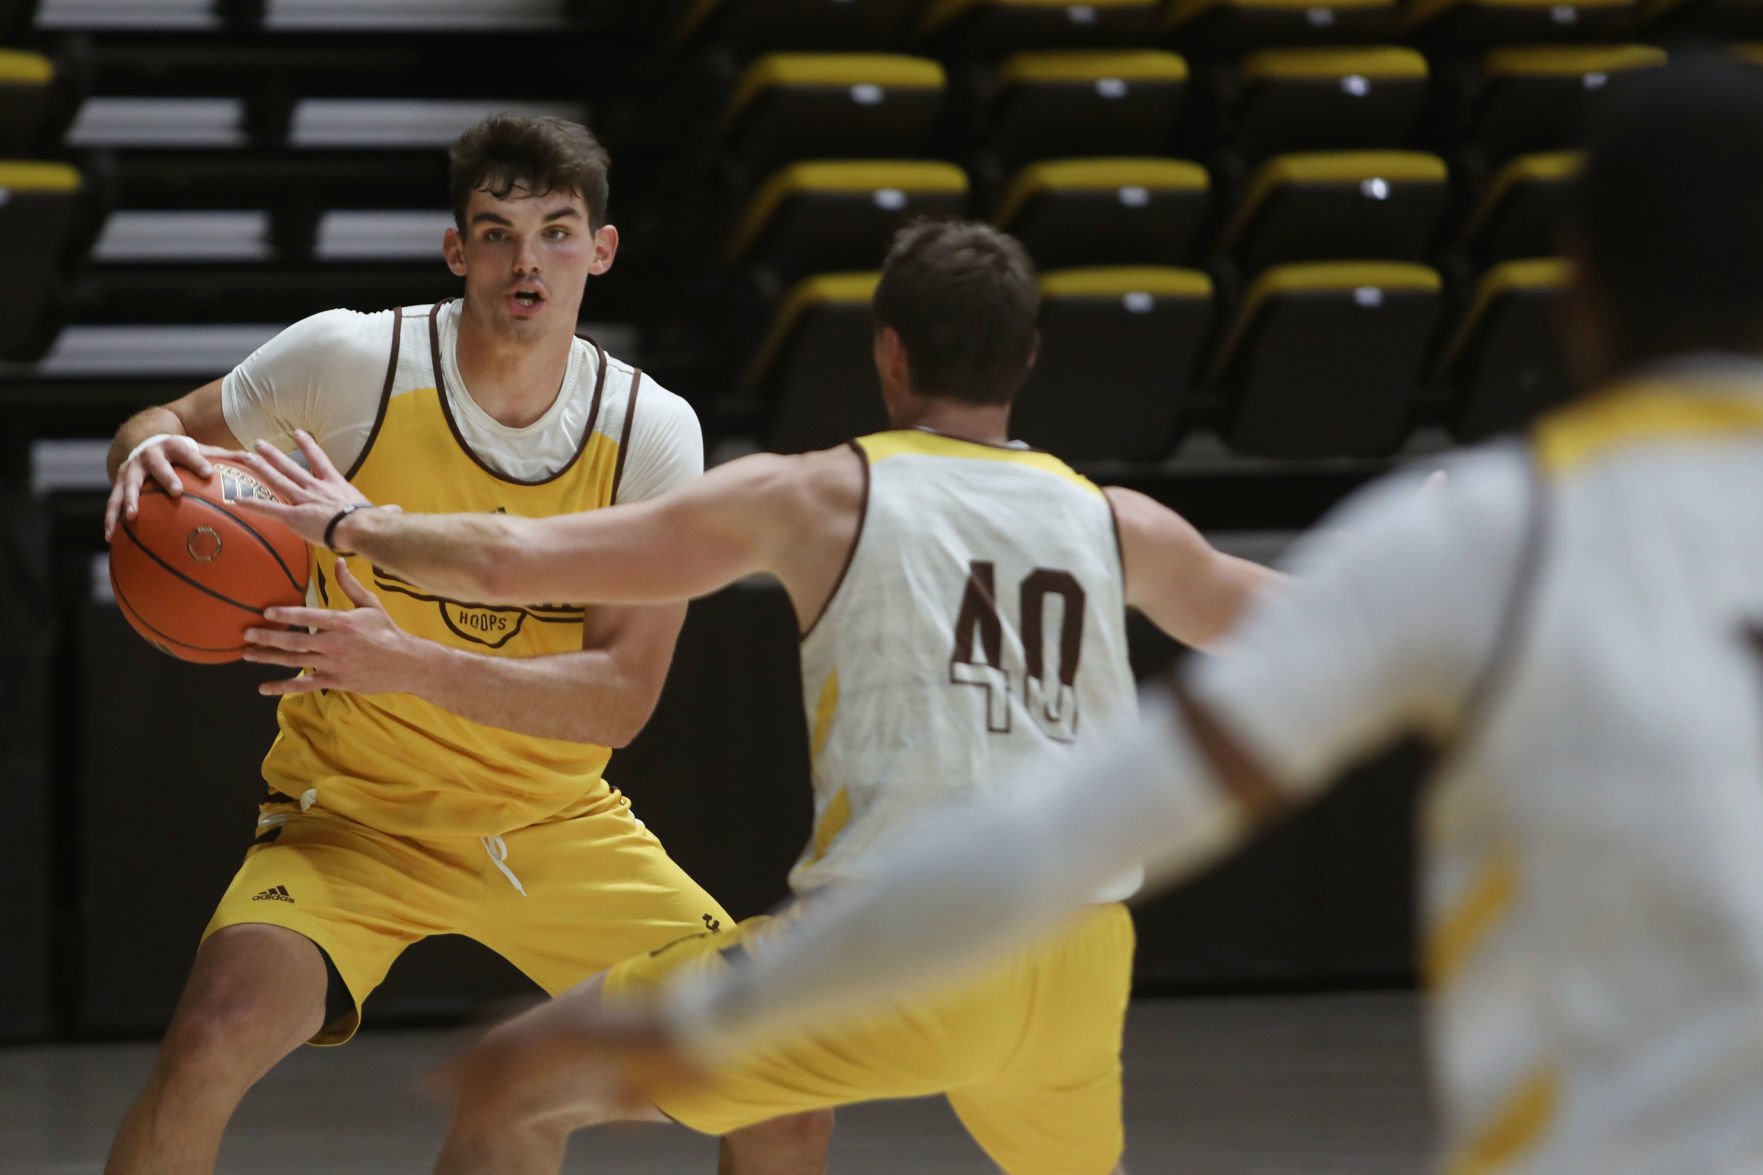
[1575, 621]
[962, 601]
[440, 766]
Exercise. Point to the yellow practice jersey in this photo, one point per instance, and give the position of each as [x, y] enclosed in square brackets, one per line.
[399, 763]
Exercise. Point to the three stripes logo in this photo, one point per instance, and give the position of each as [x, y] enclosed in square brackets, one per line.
[275, 893]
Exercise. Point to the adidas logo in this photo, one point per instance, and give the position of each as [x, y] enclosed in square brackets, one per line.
[275, 893]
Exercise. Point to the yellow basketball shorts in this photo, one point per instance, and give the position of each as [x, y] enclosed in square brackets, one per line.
[1028, 1052]
[562, 900]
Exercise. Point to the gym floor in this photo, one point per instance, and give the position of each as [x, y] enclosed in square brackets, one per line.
[1262, 1085]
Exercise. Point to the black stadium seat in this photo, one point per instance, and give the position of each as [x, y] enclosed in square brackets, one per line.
[1323, 359]
[1114, 102]
[1225, 28]
[1326, 98]
[814, 370]
[1107, 211]
[839, 214]
[791, 106]
[1119, 351]
[1314, 207]
[40, 210]
[992, 27]
[24, 99]
[1505, 363]
[1534, 97]
[747, 25]
[1519, 213]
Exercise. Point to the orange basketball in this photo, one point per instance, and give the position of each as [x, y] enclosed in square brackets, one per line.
[192, 573]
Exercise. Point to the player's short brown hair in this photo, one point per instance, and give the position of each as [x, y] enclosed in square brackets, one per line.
[963, 298]
[541, 154]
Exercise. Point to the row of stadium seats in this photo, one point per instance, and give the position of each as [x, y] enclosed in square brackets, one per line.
[1046, 104]
[1208, 27]
[1392, 205]
[1319, 360]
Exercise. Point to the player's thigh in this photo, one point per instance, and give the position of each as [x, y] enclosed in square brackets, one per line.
[1056, 1107]
[892, 1050]
[359, 896]
[598, 889]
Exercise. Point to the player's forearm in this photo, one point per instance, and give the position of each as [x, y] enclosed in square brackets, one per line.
[137, 428]
[452, 554]
[581, 697]
[978, 881]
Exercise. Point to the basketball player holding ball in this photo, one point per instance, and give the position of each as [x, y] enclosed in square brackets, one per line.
[439, 764]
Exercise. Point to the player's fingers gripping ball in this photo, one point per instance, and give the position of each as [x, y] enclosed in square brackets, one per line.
[191, 573]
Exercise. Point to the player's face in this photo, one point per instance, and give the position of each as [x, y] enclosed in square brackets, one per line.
[525, 259]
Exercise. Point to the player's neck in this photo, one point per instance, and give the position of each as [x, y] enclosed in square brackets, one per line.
[988, 424]
[514, 380]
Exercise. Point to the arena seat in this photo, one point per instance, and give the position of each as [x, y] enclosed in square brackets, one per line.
[1107, 211]
[1313, 99]
[1323, 358]
[1505, 363]
[24, 99]
[40, 209]
[1119, 351]
[1534, 97]
[814, 370]
[1050, 104]
[791, 106]
[746, 25]
[1316, 206]
[829, 215]
[1454, 25]
[993, 27]
[1212, 29]
[1519, 211]
[1706, 19]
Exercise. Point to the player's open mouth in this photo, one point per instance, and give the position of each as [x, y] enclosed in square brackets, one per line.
[528, 297]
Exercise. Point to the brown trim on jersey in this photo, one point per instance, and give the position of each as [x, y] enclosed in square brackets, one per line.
[459, 437]
[850, 554]
[1514, 623]
[624, 436]
[1235, 770]
[1119, 540]
[379, 419]
[1008, 447]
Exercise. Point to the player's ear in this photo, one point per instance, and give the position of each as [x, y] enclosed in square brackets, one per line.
[1034, 353]
[605, 249]
[453, 249]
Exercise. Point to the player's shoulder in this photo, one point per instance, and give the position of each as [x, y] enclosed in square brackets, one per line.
[340, 336]
[656, 404]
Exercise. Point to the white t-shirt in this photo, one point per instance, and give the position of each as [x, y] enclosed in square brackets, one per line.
[325, 374]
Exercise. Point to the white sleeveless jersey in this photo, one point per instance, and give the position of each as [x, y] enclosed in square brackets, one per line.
[1579, 624]
[1595, 888]
[979, 624]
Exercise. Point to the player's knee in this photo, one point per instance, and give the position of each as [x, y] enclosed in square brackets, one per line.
[225, 1033]
[798, 1137]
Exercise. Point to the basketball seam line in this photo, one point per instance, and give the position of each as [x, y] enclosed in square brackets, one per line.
[123, 599]
[203, 588]
[253, 532]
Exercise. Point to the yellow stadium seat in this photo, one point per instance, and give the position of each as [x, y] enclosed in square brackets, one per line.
[1214, 28]
[790, 106]
[839, 214]
[1505, 362]
[1116, 102]
[24, 99]
[1519, 212]
[1533, 97]
[814, 370]
[1106, 211]
[746, 25]
[998, 26]
[39, 213]
[1454, 23]
[1119, 349]
[1331, 204]
[1326, 98]
[1324, 359]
